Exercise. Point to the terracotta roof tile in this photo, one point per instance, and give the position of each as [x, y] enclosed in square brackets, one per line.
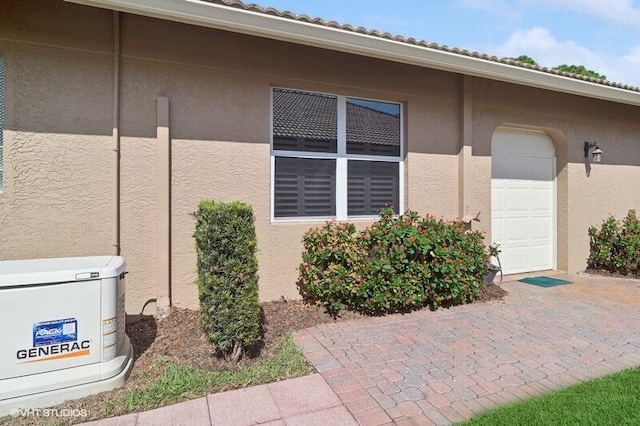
[410, 40]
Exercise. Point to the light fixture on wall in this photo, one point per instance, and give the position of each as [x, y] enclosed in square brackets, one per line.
[597, 152]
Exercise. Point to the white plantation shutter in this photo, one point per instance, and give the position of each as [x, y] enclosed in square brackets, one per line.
[372, 185]
[305, 187]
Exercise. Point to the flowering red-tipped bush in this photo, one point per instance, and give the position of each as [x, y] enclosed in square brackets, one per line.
[329, 262]
[615, 246]
[399, 263]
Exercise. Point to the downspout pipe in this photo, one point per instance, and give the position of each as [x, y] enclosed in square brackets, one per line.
[116, 131]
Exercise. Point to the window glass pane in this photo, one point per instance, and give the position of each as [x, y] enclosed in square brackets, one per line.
[373, 127]
[304, 121]
[305, 187]
[371, 186]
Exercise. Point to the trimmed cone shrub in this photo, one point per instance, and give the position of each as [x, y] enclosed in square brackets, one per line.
[227, 276]
[399, 263]
[615, 246]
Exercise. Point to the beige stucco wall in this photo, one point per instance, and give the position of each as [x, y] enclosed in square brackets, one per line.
[57, 148]
[219, 90]
[613, 185]
[59, 161]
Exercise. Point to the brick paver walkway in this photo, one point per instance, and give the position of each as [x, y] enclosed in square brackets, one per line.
[305, 401]
[442, 367]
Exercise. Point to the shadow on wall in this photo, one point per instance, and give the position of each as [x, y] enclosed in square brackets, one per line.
[558, 139]
[568, 119]
[587, 165]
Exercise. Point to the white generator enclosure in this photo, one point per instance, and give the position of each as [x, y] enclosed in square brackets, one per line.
[63, 331]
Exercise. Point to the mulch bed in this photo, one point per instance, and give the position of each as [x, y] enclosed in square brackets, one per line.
[178, 337]
[491, 292]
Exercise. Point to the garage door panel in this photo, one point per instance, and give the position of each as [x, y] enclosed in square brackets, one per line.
[516, 200]
[541, 229]
[540, 184]
[522, 142]
[539, 169]
[542, 200]
[516, 184]
[518, 258]
[496, 198]
[511, 168]
[541, 256]
[496, 230]
[523, 199]
[516, 230]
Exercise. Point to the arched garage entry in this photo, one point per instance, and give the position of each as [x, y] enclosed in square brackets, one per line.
[523, 199]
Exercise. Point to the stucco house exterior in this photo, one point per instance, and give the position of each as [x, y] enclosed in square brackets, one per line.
[119, 116]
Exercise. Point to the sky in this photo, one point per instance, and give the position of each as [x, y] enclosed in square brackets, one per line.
[602, 35]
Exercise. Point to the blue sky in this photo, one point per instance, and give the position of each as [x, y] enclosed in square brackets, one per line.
[603, 35]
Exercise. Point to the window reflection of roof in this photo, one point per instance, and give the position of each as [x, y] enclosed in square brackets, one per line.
[314, 116]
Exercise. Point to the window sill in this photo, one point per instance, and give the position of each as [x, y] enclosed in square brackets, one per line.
[293, 220]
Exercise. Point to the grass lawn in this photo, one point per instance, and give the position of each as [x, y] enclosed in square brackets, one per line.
[179, 382]
[609, 400]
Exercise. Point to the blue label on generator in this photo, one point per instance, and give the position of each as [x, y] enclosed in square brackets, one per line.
[57, 331]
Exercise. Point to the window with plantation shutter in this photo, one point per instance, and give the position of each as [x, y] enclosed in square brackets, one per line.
[305, 187]
[371, 186]
[334, 156]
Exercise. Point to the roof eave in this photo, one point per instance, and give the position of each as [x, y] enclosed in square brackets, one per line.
[227, 18]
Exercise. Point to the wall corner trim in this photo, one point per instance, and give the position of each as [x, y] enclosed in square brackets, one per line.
[164, 204]
[466, 146]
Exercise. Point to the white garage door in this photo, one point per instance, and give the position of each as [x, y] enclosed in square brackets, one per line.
[523, 199]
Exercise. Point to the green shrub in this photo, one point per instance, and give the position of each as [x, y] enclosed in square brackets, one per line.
[397, 264]
[615, 246]
[227, 276]
[330, 258]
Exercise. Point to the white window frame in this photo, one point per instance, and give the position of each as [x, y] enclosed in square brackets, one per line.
[341, 158]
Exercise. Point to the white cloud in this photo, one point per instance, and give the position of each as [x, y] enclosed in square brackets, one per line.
[535, 39]
[633, 56]
[616, 12]
[542, 46]
[610, 59]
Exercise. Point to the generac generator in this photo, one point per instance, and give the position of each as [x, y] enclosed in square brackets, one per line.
[63, 330]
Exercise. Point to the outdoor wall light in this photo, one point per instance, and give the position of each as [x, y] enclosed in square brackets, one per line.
[597, 152]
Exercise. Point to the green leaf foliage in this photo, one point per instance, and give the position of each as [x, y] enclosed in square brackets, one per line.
[398, 264]
[227, 276]
[615, 246]
[580, 70]
[608, 400]
[525, 59]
